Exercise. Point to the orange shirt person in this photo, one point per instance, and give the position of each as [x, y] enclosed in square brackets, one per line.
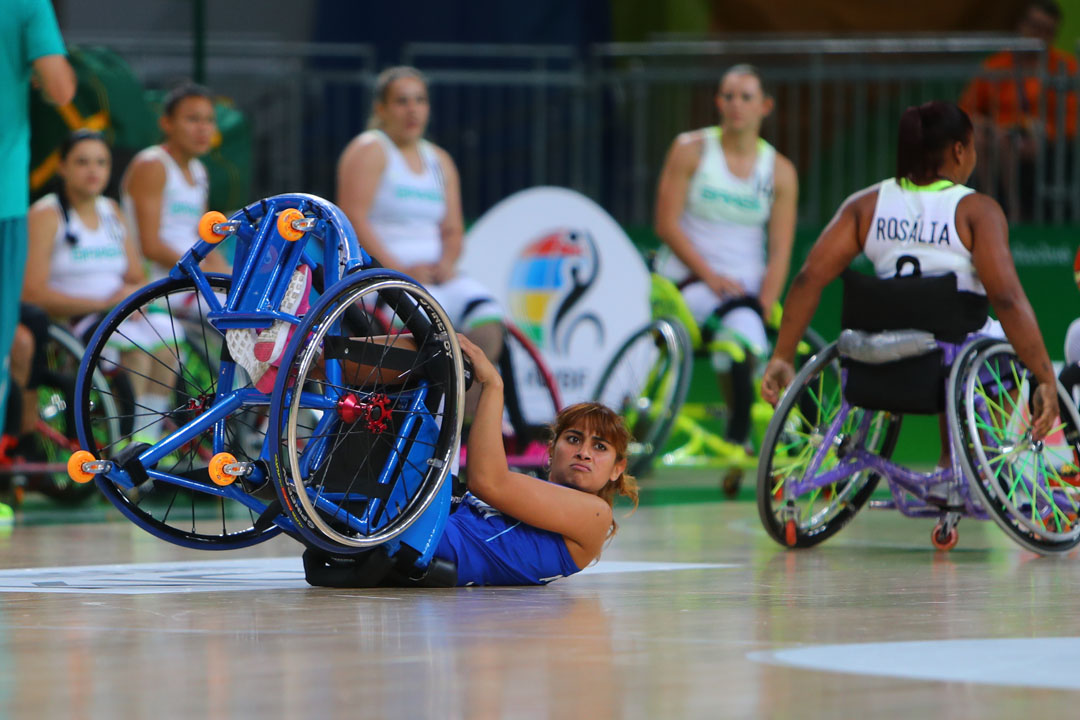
[1009, 94]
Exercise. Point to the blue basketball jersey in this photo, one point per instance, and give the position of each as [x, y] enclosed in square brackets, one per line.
[490, 548]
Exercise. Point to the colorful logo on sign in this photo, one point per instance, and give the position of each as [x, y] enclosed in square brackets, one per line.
[547, 280]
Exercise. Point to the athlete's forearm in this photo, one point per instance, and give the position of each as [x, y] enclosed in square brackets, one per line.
[1022, 329]
[374, 246]
[60, 305]
[487, 464]
[772, 285]
[681, 245]
[802, 302]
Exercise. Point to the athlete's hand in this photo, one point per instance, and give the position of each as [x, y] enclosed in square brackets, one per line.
[443, 272]
[424, 273]
[778, 375]
[122, 293]
[1045, 411]
[483, 371]
[724, 286]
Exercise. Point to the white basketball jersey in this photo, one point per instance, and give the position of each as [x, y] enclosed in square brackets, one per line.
[409, 207]
[915, 227]
[182, 204]
[94, 266]
[725, 216]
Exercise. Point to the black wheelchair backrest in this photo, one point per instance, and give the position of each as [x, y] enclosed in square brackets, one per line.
[913, 384]
[911, 302]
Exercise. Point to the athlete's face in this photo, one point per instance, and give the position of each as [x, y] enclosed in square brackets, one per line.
[403, 115]
[742, 102]
[583, 460]
[86, 168]
[191, 126]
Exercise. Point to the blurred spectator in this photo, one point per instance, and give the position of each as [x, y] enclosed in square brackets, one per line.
[1004, 105]
[165, 189]
[32, 50]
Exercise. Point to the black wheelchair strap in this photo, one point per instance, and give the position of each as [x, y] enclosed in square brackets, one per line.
[375, 568]
[365, 352]
[128, 460]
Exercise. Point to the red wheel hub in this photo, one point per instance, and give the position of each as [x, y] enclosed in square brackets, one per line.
[375, 411]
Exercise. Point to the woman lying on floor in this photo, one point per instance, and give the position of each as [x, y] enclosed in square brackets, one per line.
[515, 529]
[510, 528]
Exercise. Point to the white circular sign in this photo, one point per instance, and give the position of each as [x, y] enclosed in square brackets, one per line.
[569, 278]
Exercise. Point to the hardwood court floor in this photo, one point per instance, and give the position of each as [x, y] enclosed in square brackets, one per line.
[246, 638]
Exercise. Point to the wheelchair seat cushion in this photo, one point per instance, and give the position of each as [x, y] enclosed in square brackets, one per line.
[912, 302]
[911, 385]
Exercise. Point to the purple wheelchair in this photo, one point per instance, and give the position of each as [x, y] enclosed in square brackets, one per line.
[911, 345]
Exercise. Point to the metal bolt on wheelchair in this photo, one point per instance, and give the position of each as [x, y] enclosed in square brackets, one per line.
[836, 426]
[323, 422]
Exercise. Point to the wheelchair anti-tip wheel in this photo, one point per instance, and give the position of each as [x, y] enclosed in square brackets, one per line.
[811, 433]
[1017, 479]
[178, 356]
[646, 383]
[54, 436]
[389, 411]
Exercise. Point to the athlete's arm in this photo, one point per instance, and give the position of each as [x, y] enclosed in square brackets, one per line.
[359, 170]
[833, 252]
[145, 183]
[989, 232]
[781, 231]
[681, 163]
[452, 228]
[134, 276]
[53, 74]
[41, 224]
[582, 519]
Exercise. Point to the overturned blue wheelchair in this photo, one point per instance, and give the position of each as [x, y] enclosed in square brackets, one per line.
[341, 434]
[912, 345]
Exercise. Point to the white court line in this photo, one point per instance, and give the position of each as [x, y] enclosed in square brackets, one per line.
[1046, 662]
[280, 573]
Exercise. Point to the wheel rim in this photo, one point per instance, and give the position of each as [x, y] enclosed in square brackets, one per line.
[646, 384]
[315, 468]
[180, 515]
[1018, 479]
[811, 406]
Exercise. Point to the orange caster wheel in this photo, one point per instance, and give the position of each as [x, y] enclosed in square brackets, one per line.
[791, 535]
[217, 469]
[75, 466]
[206, 226]
[943, 540]
[285, 220]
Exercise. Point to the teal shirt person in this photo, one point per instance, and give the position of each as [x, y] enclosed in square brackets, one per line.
[29, 39]
[28, 32]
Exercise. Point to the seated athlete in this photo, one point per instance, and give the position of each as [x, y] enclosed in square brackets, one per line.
[725, 210]
[82, 261]
[515, 529]
[924, 218]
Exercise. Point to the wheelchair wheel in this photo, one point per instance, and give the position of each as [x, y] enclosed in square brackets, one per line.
[55, 437]
[390, 409]
[1018, 481]
[532, 395]
[646, 382]
[162, 359]
[795, 450]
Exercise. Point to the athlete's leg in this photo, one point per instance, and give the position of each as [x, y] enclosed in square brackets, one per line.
[12, 264]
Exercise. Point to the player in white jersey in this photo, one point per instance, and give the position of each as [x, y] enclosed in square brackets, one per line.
[725, 210]
[165, 188]
[923, 218]
[403, 197]
[82, 262]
